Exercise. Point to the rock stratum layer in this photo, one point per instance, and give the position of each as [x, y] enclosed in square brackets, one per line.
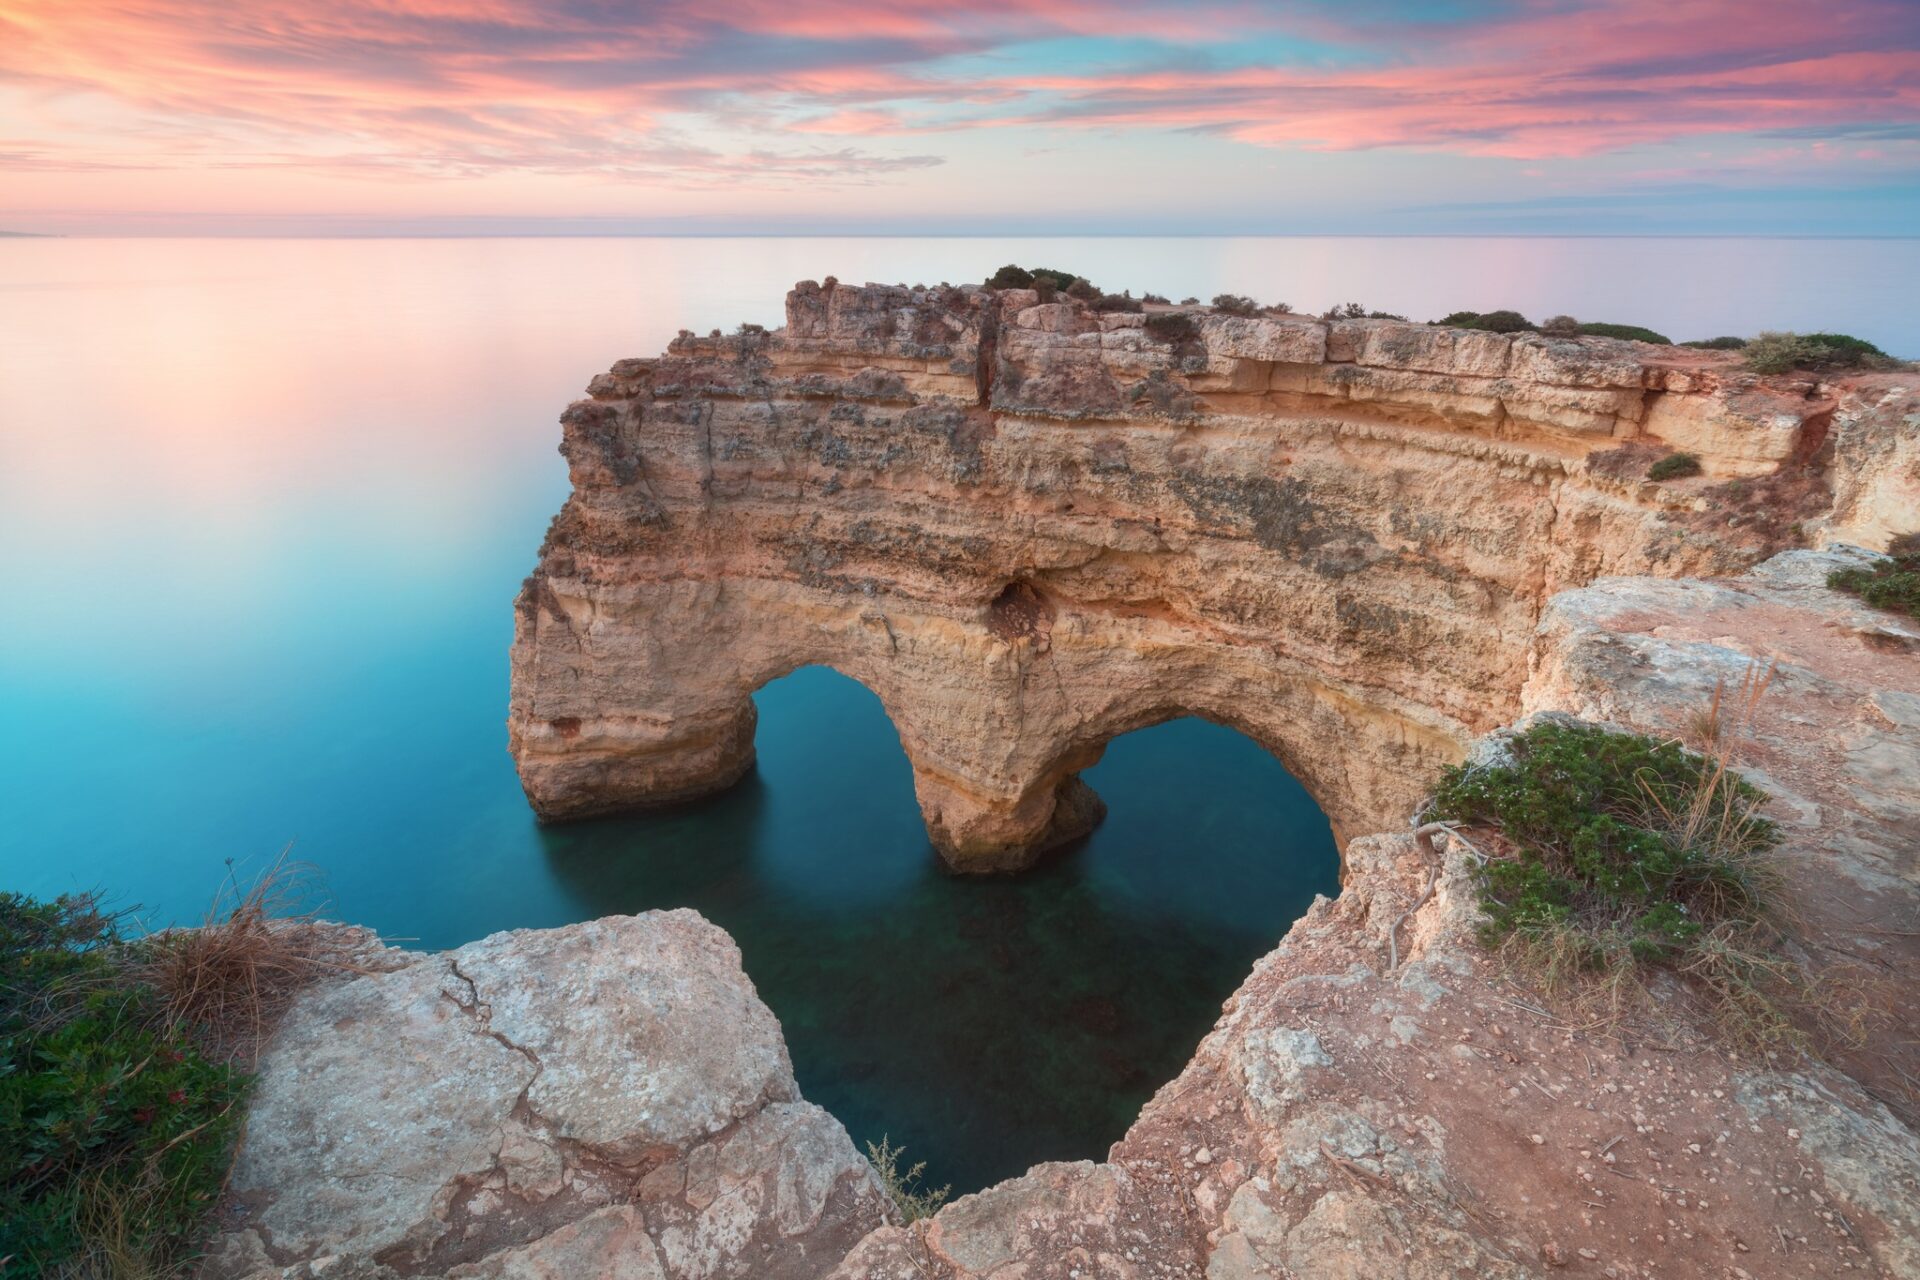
[1381, 1099]
[1030, 527]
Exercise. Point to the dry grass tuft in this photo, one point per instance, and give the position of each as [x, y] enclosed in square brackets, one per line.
[231, 977]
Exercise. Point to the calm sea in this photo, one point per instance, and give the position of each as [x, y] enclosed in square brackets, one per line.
[263, 509]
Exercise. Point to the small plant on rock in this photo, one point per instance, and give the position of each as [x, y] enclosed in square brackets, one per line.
[1816, 352]
[913, 1200]
[1560, 326]
[1892, 583]
[1494, 321]
[114, 1125]
[1621, 854]
[1675, 466]
[118, 1083]
[1631, 332]
[1717, 344]
[1235, 304]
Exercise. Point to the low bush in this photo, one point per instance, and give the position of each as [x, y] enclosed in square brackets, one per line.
[118, 1083]
[115, 1125]
[1624, 854]
[1013, 276]
[1189, 302]
[1631, 332]
[1675, 466]
[1155, 299]
[1235, 304]
[913, 1200]
[1118, 302]
[1717, 344]
[1495, 321]
[1775, 352]
[1892, 583]
[1354, 311]
[1172, 326]
[1563, 326]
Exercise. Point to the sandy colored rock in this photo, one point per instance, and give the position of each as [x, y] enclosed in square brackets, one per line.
[607, 1099]
[1437, 1120]
[1029, 527]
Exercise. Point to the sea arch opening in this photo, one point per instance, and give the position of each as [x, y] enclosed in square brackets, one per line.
[990, 1023]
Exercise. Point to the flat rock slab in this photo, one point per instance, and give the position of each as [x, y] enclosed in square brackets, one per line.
[610, 1098]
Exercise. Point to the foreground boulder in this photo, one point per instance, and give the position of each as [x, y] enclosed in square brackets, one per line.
[607, 1099]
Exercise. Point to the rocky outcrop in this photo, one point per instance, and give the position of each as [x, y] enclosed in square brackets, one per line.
[1030, 527]
[607, 1099]
[1382, 1100]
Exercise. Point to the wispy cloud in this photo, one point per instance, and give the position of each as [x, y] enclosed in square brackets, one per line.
[781, 93]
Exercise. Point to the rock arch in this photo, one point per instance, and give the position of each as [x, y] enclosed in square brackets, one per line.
[1030, 527]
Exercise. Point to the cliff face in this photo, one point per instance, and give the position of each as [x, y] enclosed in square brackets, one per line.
[1381, 1099]
[1031, 527]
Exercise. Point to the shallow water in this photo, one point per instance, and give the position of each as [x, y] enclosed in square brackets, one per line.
[263, 509]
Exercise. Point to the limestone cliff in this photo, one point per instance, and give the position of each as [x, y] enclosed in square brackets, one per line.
[1030, 527]
[1381, 1099]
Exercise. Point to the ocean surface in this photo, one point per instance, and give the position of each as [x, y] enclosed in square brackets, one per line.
[263, 509]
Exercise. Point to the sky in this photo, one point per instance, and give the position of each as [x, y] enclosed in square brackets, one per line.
[956, 117]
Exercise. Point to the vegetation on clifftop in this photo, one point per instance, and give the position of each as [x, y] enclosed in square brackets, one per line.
[1892, 583]
[1621, 855]
[1816, 352]
[119, 1083]
[115, 1124]
[1769, 353]
[913, 1199]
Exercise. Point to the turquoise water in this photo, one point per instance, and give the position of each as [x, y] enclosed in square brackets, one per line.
[263, 509]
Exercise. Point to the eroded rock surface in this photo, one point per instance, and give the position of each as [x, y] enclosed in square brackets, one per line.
[1351, 1117]
[607, 1099]
[1030, 527]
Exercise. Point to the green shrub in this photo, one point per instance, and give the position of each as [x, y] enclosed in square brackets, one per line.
[1235, 304]
[1013, 276]
[1626, 852]
[1155, 299]
[1175, 328]
[1717, 344]
[912, 1200]
[1675, 466]
[1117, 302]
[1632, 332]
[1892, 583]
[1495, 321]
[1562, 326]
[114, 1125]
[1774, 352]
[1354, 311]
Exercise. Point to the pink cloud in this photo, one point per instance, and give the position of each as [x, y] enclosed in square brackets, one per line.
[440, 87]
